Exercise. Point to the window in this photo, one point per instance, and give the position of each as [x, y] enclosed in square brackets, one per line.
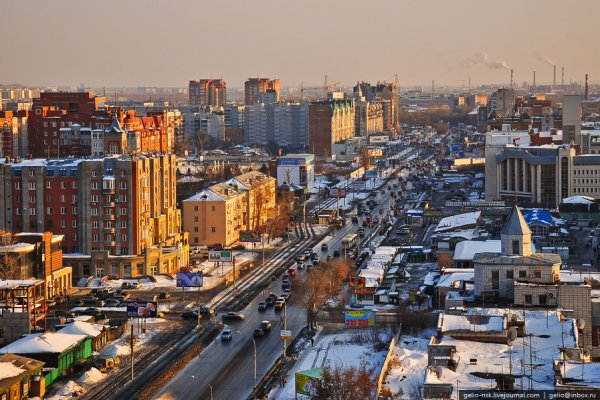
[48, 185]
[123, 238]
[543, 299]
[515, 247]
[32, 211]
[18, 185]
[73, 185]
[31, 185]
[510, 274]
[495, 279]
[213, 229]
[195, 208]
[123, 184]
[95, 198]
[49, 211]
[537, 273]
[195, 240]
[196, 229]
[63, 211]
[74, 224]
[123, 198]
[123, 211]
[32, 199]
[94, 211]
[31, 172]
[123, 224]
[522, 274]
[94, 185]
[527, 299]
[73, 198]
[95, 237]
[63, 224]
[196, 218]
[63, 198]
[49, 198]
[63, 185]
[94, 174]
[213, 208]
[94, 224]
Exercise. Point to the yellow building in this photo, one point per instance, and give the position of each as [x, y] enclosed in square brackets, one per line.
[261, 197]
[215, 216]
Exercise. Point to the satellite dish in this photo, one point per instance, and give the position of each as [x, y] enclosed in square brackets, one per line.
[551, 295]
[512, 334]
[580, 323]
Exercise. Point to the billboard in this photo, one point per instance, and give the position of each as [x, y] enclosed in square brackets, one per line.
[378, 138]
[359, 318]
[286, 334]
[220, 255]
[307, 384]
[359, 185]
[372, 173]
[250, 237]
[356, 282]
[337, 192]
[291, 162]
[142, 309]
[189, 279]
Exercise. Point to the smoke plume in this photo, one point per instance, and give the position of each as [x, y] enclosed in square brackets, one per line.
[547, 60]
[481, 58]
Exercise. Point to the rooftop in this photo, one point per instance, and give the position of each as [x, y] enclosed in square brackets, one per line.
[48, 342]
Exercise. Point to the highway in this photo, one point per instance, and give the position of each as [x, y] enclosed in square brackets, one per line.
[228, 367]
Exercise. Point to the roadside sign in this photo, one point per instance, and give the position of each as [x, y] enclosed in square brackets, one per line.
[359, 318]
[142, 309]
[220, 255]
[189, 279]
[286, 335]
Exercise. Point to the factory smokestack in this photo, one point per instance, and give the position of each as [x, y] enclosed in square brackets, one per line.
[586, 87]
[534, 89]
[554, 80]
[562, 79]
[511, 78]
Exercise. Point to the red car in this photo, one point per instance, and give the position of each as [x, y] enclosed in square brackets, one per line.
[292, 271]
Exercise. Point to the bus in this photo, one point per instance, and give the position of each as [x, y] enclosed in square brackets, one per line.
[349, 241]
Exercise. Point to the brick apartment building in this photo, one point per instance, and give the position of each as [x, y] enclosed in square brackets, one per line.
[208, 92]
[118, 214]
[329, 122]
[254, 86]
[81, 125]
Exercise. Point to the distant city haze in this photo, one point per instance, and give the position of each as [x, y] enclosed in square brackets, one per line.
[167, 43]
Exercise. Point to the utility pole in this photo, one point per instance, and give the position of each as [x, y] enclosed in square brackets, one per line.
[198, 306]
[131, 345]
[234, 293]
[285, 329]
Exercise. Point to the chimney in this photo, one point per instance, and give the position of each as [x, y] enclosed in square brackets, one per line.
[554, 80]
[562, 79]
[586, 88]
[534, 89]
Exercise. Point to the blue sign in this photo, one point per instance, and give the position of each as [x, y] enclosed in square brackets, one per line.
[189, 279]
[142, 309]
[290, 162]
[372, 173]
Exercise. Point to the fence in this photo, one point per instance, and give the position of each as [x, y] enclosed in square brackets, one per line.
[388, 357]
[107, 335]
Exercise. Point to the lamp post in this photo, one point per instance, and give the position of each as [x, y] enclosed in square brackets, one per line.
[254, 343]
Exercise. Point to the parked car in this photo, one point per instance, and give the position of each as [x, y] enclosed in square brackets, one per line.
[226, 335]
[233, 316]
[316, 260]
[324, 247]
[269, 301]
[336, 253]
[164, 295]
[89, 297]
[292, 271]
[104, 293]
[112, 302]
[262, 306]
[355, 220]
[190, 314]
[279, 304]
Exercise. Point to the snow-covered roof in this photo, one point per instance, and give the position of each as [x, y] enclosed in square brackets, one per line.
[539, 216]
[578, 200]
[9, 370]
[466, 250]
[205, 195]
[47, 342]
[82, 328]
[453, 280]
[586, 376]
[471, 323]
[457, 221]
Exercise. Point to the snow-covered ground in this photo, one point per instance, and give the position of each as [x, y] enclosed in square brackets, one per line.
[345, 349]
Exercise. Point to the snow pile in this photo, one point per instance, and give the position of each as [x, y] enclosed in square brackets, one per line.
[82, 328]
[455, 222]
[404, 378]
[472, 323]
[91, 376]
[67, 391]
[115, 350]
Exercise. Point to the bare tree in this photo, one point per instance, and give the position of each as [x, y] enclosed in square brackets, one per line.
[12, 264]
[339, 383]
[335, 273]
[311, 292]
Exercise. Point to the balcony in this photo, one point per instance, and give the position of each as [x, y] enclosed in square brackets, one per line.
[108, 190]
[110, 243]
[108, 217]
[109, 204]
[109, 230]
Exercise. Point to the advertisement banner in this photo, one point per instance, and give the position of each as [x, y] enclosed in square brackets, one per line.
[189, 279]
[359, 185]
[286, 335]
[307, 386]
[142, 309]
[356, 282]
[341, 193]
[220, 255]
[359, 318]
[250, 237]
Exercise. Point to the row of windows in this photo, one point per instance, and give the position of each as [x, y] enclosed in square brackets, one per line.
[586, 171]
[96, 224]
[96, 238]
[586, 181]
[213, 229]
[586, 190]
[63, 211]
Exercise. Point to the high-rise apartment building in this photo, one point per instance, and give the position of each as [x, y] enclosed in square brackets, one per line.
[329, 122]
[208, 92]
[283, 123]
[382, 91]
[118, 214]
[253, 87]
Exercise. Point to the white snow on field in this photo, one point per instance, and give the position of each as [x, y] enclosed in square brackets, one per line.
[121, 347]
[68, 391]
[334, 350]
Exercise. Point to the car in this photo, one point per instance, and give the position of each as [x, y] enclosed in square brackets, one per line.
[164, 295]
[279, 304]
[206, 312]
[316, 260]
[300, 258]
[285, 279]
[265, 326]
[269, 301]
[355, 220]
[300, 266]
[336, 253]
[89, 297]
[191, 314]
[292, 271]
[258, 332]
[324, 247]
[329, 257]
[226, 335]
[60, 299]
[402, 231]
[262, 306]
[232, 315]
[112, 302]
[285, 294]
[307, 253]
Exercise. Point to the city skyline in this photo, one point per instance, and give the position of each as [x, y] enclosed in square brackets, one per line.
[446, 42]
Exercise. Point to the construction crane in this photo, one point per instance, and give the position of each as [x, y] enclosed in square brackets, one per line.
[328, 86]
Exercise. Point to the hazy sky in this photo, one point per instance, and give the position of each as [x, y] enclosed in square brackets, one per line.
[167, 43]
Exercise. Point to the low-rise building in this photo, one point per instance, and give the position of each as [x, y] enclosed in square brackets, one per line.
[20, 377]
